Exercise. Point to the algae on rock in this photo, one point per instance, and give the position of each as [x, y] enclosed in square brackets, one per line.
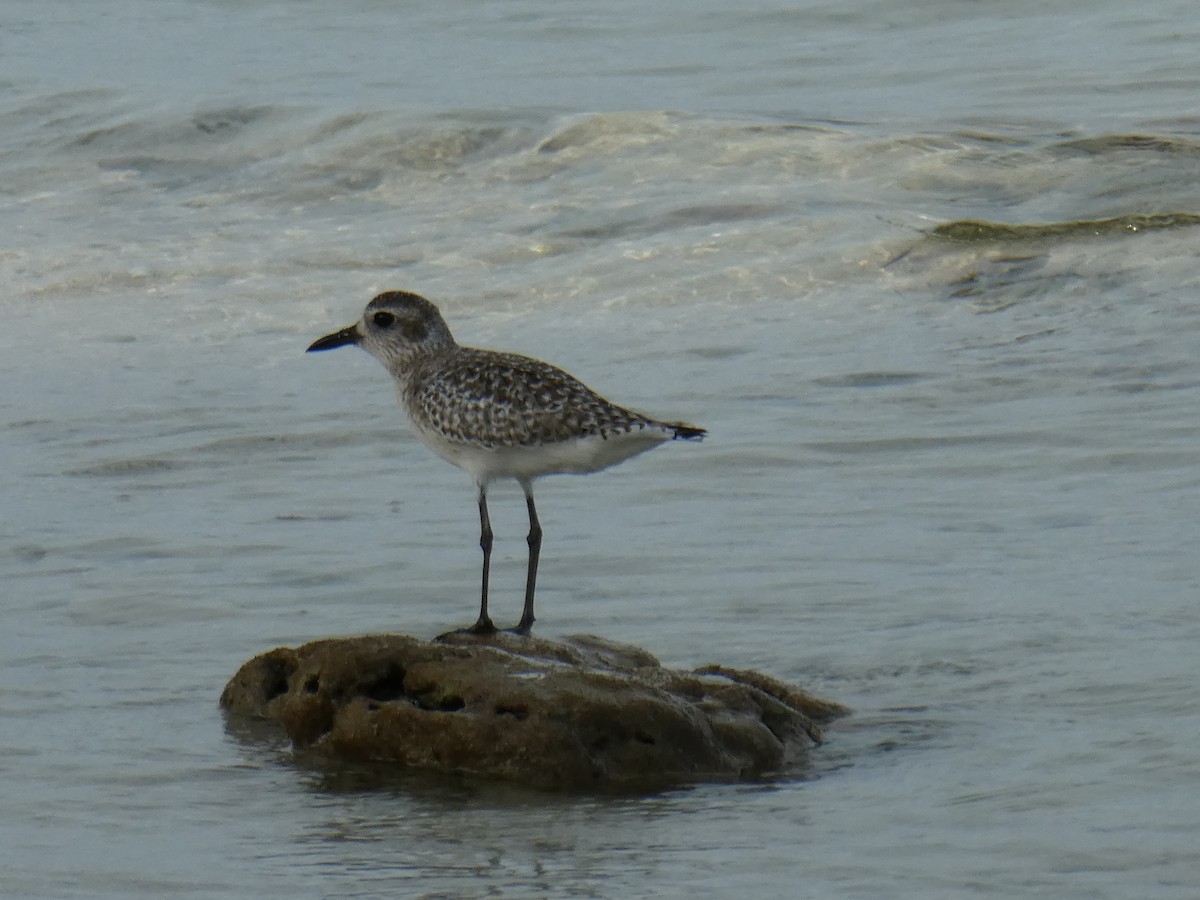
[580, 714]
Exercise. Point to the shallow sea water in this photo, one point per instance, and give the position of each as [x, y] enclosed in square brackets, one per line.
[951, 483]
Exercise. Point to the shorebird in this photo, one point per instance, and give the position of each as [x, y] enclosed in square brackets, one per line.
[497, 415]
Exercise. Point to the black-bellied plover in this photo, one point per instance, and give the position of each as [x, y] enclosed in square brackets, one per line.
[497, 415]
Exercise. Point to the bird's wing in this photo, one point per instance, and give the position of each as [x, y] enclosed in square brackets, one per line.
[493, 400]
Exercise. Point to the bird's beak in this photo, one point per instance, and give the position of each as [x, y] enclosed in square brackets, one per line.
[349, 335]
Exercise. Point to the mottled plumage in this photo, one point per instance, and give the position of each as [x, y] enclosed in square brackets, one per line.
[491, 400]
[497, 415]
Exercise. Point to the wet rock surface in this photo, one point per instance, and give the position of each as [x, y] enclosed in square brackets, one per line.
[578, 714]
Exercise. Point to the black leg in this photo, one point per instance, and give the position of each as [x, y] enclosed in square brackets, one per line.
[535, 548]
[484, 624]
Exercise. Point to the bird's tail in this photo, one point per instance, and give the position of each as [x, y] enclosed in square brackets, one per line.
[680, 431]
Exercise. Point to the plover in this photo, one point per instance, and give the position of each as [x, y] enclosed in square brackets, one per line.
[497, 415]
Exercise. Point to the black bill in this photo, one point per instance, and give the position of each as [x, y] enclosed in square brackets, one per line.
[350, 335]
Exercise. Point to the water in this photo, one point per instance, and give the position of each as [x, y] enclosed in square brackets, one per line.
[952, 484]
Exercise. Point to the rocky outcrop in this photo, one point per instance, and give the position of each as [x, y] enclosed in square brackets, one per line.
[580, 714]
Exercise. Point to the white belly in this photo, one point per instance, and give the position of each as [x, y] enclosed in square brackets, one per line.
[577, 456]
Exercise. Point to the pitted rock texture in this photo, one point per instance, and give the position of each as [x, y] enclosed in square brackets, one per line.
[577, 714]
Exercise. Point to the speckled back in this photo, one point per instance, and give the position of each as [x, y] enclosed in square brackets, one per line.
[489, 399]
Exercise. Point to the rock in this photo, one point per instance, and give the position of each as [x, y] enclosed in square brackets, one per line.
[580, 714]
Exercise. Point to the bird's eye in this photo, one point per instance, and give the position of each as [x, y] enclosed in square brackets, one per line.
[383, 319]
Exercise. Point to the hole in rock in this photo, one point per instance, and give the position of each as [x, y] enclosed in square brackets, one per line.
[388, 686]
[275, 680]
[448, 703]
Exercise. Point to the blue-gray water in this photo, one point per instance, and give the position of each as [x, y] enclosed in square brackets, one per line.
[953, 484]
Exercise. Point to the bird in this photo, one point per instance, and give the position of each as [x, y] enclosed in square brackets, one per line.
[497, 415]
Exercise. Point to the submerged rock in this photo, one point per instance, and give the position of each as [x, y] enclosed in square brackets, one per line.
[582, 713]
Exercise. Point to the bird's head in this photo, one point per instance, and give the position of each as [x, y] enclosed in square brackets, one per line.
[394, 327]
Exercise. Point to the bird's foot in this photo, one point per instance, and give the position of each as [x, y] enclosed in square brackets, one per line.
[522, 628]
[482, 628]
